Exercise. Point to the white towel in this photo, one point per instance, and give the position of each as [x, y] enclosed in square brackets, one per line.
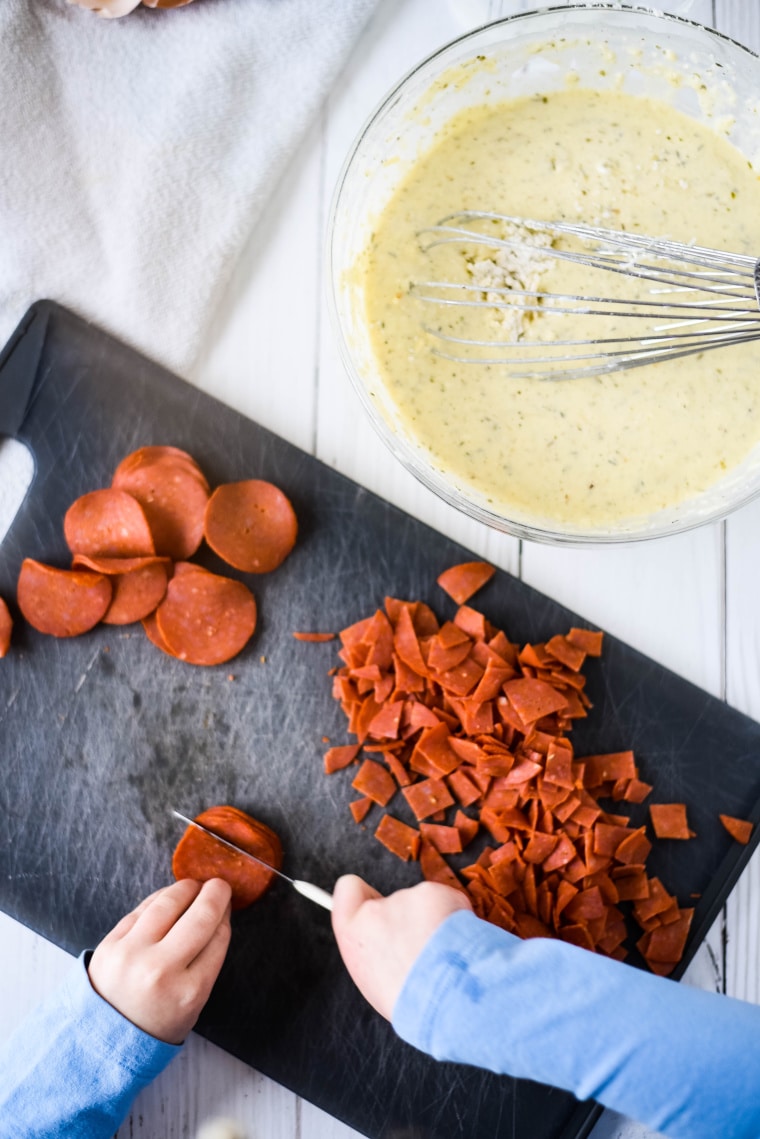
[137, 153]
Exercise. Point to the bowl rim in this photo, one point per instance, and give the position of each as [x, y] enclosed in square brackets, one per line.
[409, 461]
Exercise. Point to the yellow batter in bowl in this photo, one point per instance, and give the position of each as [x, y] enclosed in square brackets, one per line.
[618, 117]
[587, 452]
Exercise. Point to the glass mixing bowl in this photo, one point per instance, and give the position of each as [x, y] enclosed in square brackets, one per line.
[602, 47]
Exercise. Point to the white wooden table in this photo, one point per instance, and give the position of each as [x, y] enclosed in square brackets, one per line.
[690, 602]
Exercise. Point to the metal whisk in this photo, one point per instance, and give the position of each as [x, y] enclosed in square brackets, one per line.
[691, 299]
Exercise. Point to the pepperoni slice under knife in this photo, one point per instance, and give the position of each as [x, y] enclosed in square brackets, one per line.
[200, 857]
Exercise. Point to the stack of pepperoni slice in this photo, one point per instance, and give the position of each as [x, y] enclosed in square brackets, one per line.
[201, 857]
[130, 545]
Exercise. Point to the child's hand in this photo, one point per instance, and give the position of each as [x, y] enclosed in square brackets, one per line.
[380, 938]
[158, 965]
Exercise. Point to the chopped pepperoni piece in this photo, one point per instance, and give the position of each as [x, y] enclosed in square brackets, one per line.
[740, 829]
[202, 857]
[533, 699]
[657, 902]
[605, 768]
[316, 638]
[427, 797]
[566, 652]
[407, 645]
[336, 758]
[108, 523]
[398, 770]
[462, 581]
[667, 942]
[251, 525]
[206, 619]
[360, 808]
[400, 839]
[540, 846]
[6, 627]
[590, 642]
[632, 887]
[446, 840]
[635, 848]
[472, 622]
[373, 781]
[63, 603]
[467, 827]
[636, 791]
[465, 790]
[669, 820]
[385, 723]
[435, 868]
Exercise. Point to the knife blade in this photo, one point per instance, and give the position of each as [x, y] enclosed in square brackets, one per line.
[307, 889]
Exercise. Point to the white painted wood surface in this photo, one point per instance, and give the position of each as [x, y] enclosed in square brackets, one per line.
[690, 602]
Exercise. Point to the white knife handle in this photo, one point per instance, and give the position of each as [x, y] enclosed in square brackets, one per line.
[314, 893]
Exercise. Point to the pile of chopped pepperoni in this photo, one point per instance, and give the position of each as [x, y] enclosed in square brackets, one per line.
[130, 545]
[455, 720]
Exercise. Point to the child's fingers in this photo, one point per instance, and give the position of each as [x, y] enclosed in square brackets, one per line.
[123, 927]
[209, 961]
[196, 927]
[349, 895]
[163, 911]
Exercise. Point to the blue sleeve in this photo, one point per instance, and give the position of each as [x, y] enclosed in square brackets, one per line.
[73, 1067]
[683, 1061]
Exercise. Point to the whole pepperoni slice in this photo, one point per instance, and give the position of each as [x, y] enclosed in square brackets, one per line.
[146, 456]
[251, 525]
[205, 618]
[136, 594]
[139, 584]
[63, 603]
[181, 568]
[201, 857]
[6, 626]
[150, 624]
[153, 633]
[174, 500]
[108, 523]
[113, 566]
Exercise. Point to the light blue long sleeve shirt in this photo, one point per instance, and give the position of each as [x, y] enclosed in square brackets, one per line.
[73, 1067]
[683, 1061]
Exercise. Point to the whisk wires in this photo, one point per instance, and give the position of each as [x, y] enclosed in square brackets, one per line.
[687, 299]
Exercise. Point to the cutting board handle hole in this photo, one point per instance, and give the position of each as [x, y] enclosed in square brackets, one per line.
[16, 474]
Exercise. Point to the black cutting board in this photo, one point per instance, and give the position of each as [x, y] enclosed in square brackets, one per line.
[102, 734]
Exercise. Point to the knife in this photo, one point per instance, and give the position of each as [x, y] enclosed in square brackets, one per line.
[308, 889]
